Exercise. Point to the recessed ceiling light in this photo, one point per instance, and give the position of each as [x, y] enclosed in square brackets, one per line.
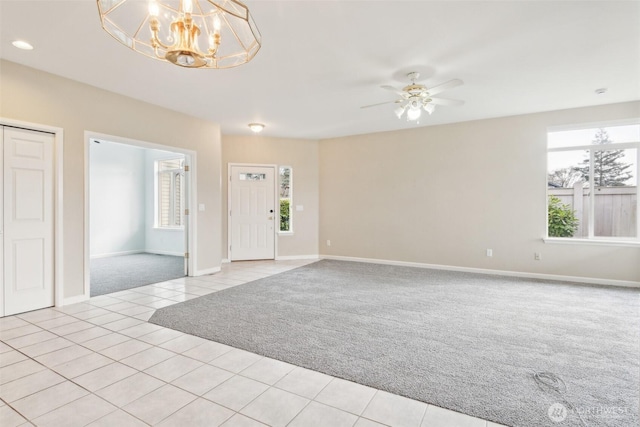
[256, 127]
[601, 91]
[21, 44]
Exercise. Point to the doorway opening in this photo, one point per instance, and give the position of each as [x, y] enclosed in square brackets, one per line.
[138, 198]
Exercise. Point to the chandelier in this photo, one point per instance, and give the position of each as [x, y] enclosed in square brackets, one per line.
[175, 30]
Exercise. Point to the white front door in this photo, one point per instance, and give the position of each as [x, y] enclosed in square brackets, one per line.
[252, 215]
[28, 220]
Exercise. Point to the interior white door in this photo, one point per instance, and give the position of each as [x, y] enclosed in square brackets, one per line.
[28, 220]
[2, 220]
[252, 213]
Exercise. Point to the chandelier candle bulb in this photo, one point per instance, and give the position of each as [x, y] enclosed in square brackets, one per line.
[214, 39]
[187, 6]
[154, 9]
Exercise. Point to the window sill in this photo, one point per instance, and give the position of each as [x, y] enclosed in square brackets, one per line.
[285, 233]
[169, 228]
[596, 242]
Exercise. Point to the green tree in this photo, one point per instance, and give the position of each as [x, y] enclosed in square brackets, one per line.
[608, 169]
[562, 219]
[285, 213]
[285, 179]
[564, 177]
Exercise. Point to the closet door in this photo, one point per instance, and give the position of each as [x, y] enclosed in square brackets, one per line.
[28, 220]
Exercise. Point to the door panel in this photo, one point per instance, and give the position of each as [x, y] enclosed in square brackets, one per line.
[27, 183]
[252, 213]
[28, 263]
[28, 220]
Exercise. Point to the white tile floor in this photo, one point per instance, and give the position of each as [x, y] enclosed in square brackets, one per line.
[99, 363]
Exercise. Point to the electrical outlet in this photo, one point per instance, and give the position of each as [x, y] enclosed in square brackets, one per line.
[328, 242]
[537, 256]
[489, 252]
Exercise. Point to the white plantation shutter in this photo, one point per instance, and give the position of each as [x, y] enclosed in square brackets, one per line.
[164, 198]
[177, 200]
[170, 192]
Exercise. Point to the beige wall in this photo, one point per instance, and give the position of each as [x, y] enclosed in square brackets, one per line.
[302, 156]
[34, 96]
[444, 194]
[436, 195]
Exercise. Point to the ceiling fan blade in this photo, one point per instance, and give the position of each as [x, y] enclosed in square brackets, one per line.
[445, 86]
[380, 103]
[394, 90]
[448, 102]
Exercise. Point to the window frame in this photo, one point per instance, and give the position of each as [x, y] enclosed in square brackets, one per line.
[591, 238]
[290, 198]
[158, 197]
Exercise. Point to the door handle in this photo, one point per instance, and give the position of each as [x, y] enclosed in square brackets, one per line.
[270, 217]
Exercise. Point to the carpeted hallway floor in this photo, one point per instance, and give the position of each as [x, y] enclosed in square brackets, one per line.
[118, 273]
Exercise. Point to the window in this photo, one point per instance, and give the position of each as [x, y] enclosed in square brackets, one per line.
[592, 182]
[170, 195]
[253, 176]
[285, 180]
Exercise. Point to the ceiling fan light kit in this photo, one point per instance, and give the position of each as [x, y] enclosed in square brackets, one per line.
[416, 98]
[174, 30]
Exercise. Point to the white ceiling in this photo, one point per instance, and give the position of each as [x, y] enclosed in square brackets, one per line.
[322, 60]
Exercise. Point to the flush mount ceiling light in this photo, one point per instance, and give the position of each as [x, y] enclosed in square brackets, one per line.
[256, 127]
[416, 98]
[174, 30]
[21, 44]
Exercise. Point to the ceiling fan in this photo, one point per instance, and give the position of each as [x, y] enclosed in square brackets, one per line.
[416, 97]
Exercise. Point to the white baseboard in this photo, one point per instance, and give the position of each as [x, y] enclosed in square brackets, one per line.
[164, 253]
[578, 279]
[107, 255]
[207, 271]
[137, 252]
[75, 299]
[284, 258]
[294, 257]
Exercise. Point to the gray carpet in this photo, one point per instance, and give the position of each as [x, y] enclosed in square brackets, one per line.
[119, 273]
[461, 341]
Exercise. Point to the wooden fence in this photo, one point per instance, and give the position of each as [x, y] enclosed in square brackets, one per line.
[615, 210]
